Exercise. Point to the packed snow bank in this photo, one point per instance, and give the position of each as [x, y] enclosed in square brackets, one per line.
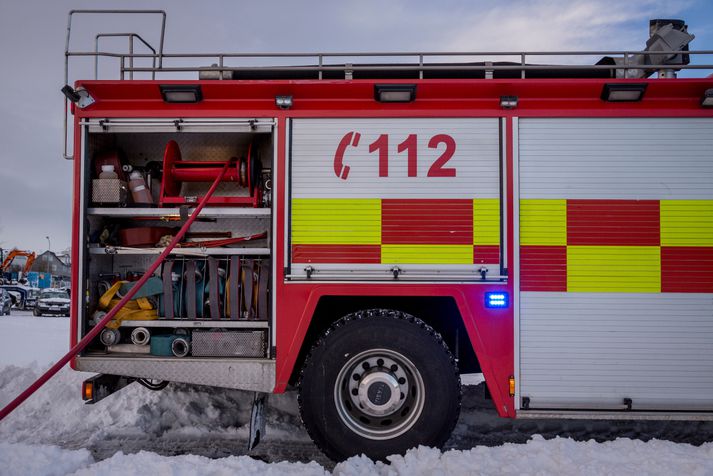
[538, 456]
[57, 415]
[30, 460]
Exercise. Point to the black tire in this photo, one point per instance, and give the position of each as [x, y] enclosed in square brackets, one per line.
[36, 312]
[368, 358]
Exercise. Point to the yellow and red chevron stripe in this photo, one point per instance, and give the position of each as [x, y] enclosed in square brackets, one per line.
[616, 245]
[396, 231]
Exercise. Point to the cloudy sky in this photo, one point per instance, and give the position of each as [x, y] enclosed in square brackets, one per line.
[35, 182]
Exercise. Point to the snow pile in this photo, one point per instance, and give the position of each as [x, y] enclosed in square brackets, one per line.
[146, 463]
[539, 456]
[26, 460]
[57, 415]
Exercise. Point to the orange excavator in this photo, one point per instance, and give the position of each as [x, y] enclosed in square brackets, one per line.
[30, 255]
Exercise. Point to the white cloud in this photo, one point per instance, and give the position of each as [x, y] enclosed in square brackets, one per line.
[558, 25]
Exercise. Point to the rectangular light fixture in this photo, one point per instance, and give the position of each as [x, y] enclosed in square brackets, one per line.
[283, 102]
[508, 102]
[707, 99]
[497, 300]
[395, 92]
[181, 93]
[623, 92]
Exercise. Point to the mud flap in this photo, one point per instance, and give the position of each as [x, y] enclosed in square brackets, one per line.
[257, 420]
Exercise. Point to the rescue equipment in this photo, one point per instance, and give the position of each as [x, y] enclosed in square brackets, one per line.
[244, 172]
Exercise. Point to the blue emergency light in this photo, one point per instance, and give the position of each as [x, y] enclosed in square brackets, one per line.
[497, 300]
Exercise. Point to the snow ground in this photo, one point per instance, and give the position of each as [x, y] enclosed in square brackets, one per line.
[186, 430]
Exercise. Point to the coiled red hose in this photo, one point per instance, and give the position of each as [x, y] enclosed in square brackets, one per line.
[110, 315]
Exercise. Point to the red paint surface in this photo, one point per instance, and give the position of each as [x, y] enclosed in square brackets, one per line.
[486, 254]
[687, 269]
[432, 222]
[543, 268]
[491, 331]
[613, 222]
[362, 254]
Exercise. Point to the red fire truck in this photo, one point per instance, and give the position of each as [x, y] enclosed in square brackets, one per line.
[375, 229]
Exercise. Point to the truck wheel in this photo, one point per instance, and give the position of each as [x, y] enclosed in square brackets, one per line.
[379, 382]
[36, 312]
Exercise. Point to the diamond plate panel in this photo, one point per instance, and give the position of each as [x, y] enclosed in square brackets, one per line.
[228, 343]
[251, 375]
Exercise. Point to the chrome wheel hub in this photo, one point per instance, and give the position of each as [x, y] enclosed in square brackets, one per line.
[379, 394]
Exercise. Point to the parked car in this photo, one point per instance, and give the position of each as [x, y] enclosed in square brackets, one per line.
[5, 302]
[19, 293]
[54, 302]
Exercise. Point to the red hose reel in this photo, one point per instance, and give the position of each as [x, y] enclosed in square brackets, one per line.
[244, 172]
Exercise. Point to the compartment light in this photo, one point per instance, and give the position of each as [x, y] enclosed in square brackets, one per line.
[508, 102]
[395, 92]
[707, 99]
[497, 300]
[283, 102]
[181, 93]
[623, 92]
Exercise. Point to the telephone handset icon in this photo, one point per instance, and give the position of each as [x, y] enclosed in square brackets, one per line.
[349, 139]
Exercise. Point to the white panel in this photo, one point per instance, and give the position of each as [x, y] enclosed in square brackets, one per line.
[625, 158]
[593, 350]
[476, 159]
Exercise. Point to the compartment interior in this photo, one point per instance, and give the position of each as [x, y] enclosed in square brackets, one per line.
[228, 244]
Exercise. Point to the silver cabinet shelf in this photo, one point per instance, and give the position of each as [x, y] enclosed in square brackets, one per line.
[198, 324]
[118, 250]
[160, 213]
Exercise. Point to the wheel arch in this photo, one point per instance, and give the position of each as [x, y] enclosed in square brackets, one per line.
[440, 312]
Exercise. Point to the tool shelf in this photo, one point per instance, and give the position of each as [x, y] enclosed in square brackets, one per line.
[196, 252]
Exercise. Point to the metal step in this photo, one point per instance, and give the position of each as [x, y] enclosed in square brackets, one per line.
[256, 375]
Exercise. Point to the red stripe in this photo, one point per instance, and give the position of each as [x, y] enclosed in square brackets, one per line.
[687, 269]
[613, 222]
[368, 254]
[486, 254]
[543, 268]
[432, 222]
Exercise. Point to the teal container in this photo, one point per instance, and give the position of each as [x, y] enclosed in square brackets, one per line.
[161, 344]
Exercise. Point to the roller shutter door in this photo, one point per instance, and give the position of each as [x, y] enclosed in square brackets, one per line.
[616, 263]
[370, 194]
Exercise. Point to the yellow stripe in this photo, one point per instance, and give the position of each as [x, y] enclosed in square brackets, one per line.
[543, 222]
[486, 221]
[686, 222]
[427, 254]
[614, 269]
[336, 221]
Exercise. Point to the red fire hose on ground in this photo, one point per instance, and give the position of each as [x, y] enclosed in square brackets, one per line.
[110, 315]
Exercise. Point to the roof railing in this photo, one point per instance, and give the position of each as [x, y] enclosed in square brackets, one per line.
[620, 64]
[322, 63]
